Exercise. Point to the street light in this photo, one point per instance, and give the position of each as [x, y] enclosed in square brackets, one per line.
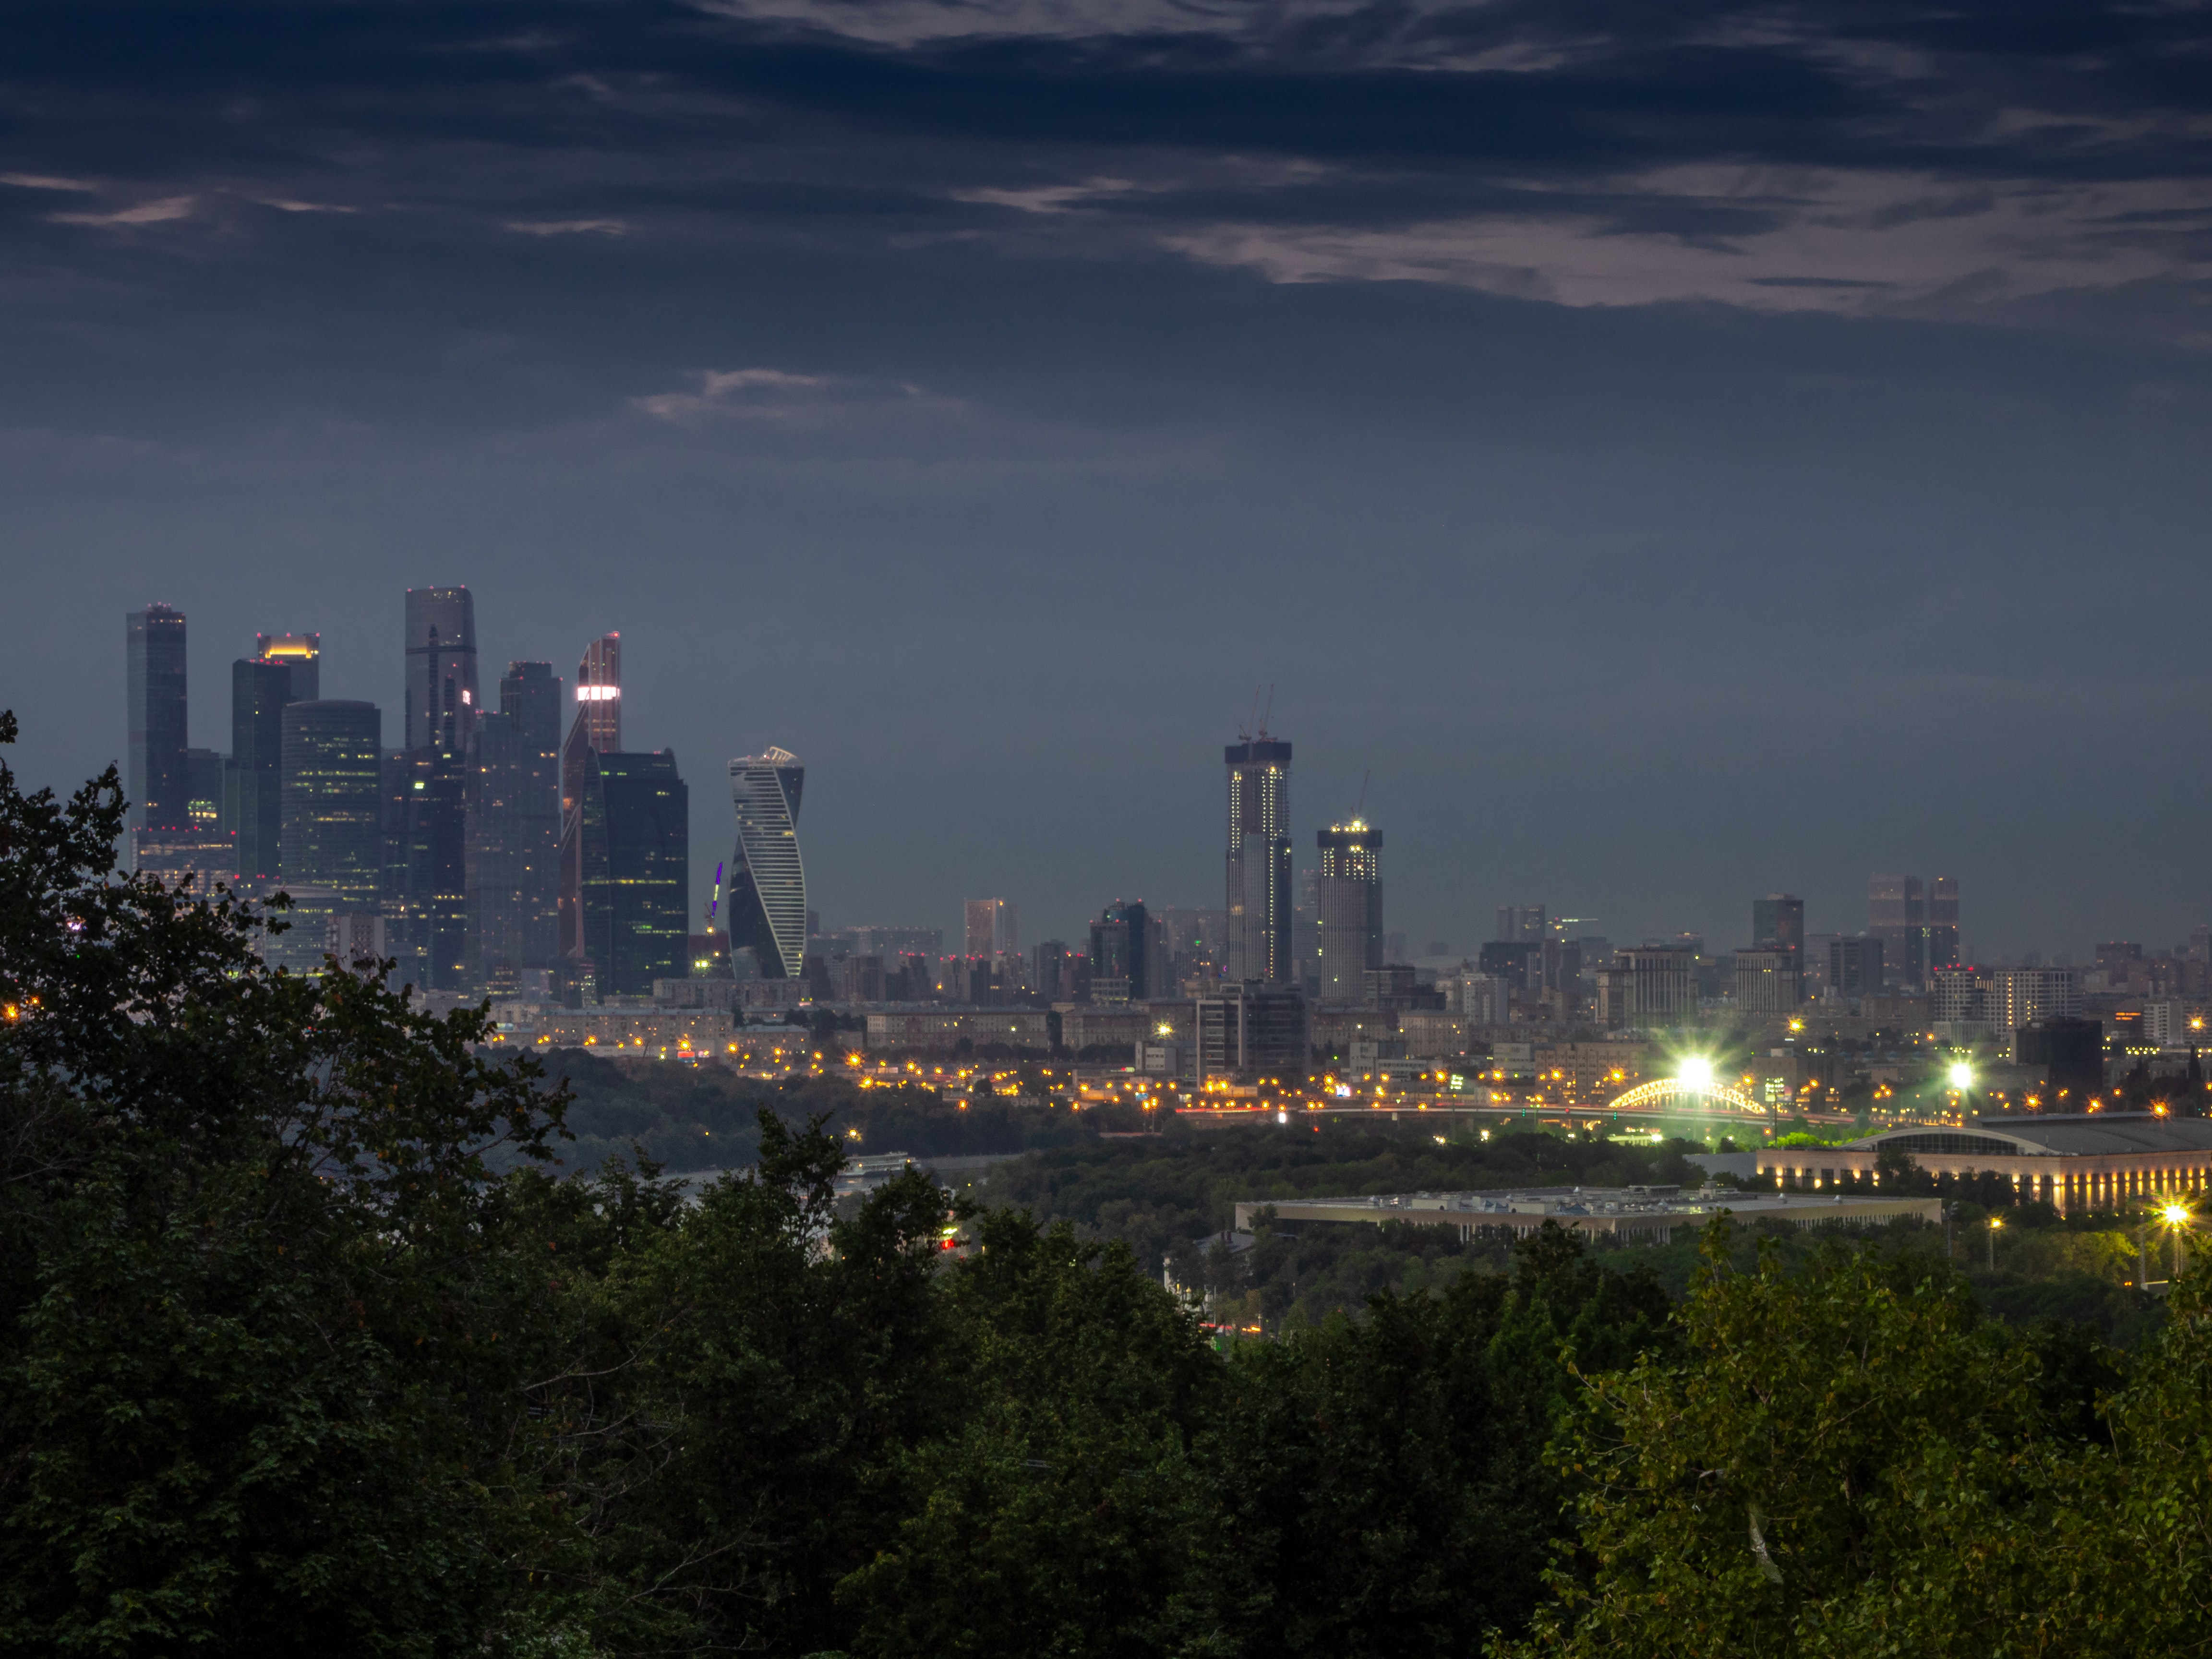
[1962, 1077]
[1994, 1224]
[2177, 1218]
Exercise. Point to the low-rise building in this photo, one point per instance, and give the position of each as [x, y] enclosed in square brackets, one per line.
[1642, 1215]
[939, 1030]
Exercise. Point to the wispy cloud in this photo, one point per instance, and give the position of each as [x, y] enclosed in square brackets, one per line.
[44, 181]
[773, 394]
[567, 226]
[144, 213]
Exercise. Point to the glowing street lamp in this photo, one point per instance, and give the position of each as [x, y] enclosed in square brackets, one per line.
[1962, 1077]
[1994, 1224]
[1694, 1072]
[2177, 1218]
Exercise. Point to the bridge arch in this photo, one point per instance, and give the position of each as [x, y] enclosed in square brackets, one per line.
[1654, 1095]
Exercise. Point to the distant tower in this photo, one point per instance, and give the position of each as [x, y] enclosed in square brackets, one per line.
[157, 774]
[300, 654]
[1897, 915]
[1943, 923]
[767, 901]
[994, 928]
[515, 829]
[1778, 920]
[1259, 861]
[442, 667]
[332, 800]
[597, 729]
[1351, 910]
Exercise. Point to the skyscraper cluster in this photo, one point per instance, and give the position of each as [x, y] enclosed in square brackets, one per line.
[489, 852]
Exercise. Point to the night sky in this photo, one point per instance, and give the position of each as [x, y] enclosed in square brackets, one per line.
[1668, 453]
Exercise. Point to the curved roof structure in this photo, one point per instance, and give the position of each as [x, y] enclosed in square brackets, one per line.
[2094, 1134]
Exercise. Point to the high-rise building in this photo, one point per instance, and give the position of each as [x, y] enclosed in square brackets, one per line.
[1778, 919]
[1259, 862]
[597, 729]
[1661, 987]
[156, 774]
[1520, 921]
[1351, 900]
[637, 852]
[1250, 1031]
[1897, 915]
[331, 798]
[442, 668]
[1768, 979]
[1121, 969]
[767, 901]
[300, 655]
[2014, 997]
[994, 928]
[514, 829]
[253, 784]
[1942, 922]
[1855, 966]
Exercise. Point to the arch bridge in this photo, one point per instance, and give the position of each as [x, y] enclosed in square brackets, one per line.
[1676, 1093]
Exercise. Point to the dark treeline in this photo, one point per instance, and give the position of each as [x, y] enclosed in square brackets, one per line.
[306, 1347]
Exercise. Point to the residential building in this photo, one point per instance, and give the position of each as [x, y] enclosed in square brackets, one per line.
[2014, 997]
[1351, 901]
[1661, 988]
[1259, 862]
[637, 849]
[768, 878]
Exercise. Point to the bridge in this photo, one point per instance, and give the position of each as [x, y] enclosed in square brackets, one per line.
[1678, 1094]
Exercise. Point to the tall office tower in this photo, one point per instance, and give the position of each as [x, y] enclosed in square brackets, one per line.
[1942, 922]
[1350, 898]
[330, 767]
[157, 776]
[1897, 915]
[1260, 908]
[301, 653]
[1661, 987]
[1778, 919]
[514, 829]
[637, 861]
[994, 928]
[1246, 1033]
[1520, 921]
[1855, 966]
[767, 897]
[597, 729]
[253, 786]
[1121, 965]
[442, 668]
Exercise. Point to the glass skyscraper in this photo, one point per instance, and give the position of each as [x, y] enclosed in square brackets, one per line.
[442, 667]
[331, 800]
[253, 783]
[1260, 896]
[156, 772]
[514, 829]
[636, 821]
[767, 903]
[597, 729]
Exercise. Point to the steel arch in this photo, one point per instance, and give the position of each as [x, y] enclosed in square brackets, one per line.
[1650, 1094]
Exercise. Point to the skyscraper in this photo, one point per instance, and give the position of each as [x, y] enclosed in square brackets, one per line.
[514, 829]
[1259, 861]
[1897, 915]
[994, 928]
[442, 668]
[1942, 922]
[1350, 897]
[156, 775]
[767, 901]
[1122, 966]
[253, 783]
[299, 653]
[332, 799]
[597, 729]
[1778, 919]
[637, 855]
[1520, 921]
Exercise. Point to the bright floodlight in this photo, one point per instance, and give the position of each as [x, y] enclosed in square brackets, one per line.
[1696, 1071]
[1962, 1076]
[2175, 1215]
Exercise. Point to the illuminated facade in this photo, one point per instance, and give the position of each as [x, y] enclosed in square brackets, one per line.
[597, 729]
[331, 767]
[767, 901]
[1351, 900]
[300, 656]
[1259, 898]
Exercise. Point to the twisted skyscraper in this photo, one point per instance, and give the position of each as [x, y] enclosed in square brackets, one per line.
[768, 881]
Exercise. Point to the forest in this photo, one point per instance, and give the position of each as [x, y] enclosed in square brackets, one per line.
[314, 1336]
